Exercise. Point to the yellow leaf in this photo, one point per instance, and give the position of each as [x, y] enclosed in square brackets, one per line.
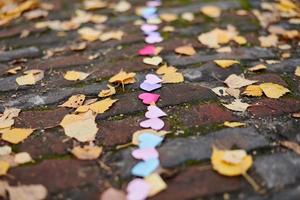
[211, 11]
[26, 192]
[122, 6]
[4, 167]
[135, 136]
[81, 127]
[273, 90]
[231, 163]
[297, 71]
[87, 152]
[257, 68]
[89, 34]
[253, 90]
[75, 75]
[268, 41]
[233, 124]
[102, 106]
[14, 70]
[234, 81]
[156, 184]
[74, 101]
[185, 50]
[240, 40]
[168, 17]
[6, 119]
[108, 92]
[30, 77]
[116, 35]
[166, 70]
[237, 105]
[22, 157]
[156, 60]
[188, 16]
[123, 77]
[226, 63]
[16, 135]
[174, 77]
[94, 4]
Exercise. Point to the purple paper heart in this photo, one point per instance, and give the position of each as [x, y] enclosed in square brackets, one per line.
[154, 112]
[154, 123]
[138, 189]
[153, 37]
[148, 28]
[149, 87]
[145, 154]
[152, 79]
[153, 3]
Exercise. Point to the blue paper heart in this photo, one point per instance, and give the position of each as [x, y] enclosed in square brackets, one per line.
[149, 11]
[148, 140]
[145, 168]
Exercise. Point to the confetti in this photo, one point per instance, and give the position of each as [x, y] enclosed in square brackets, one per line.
[154, 123]
[154, 112]
[149, 98]
[145, 168]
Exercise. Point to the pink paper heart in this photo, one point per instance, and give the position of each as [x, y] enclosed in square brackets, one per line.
[148, 50]
[148, 28]
[145, 154]
[154, 112]
[149, 98]
[154, 123]
[152, 79]
[137, 189]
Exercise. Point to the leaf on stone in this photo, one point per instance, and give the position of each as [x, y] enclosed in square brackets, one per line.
[108, 92]
[22, 157]
[81, 127]
[297, 71]
[235, 81]
[31, 77]
[233, 124]
[268, 41]
[113, 194]
[102, 106]
[122, 6]
[75, 75]
[14, 70]
[175, 77]
[240, 40]
[226, 63]
[291, 145]
[273, 90]
[168, 17]
[94, 4]
[87, 152]
[6, 119]
[257, 68]
[166, 70]
[74, 101]
[157, 184]
[253, 90]
[233, 92]
[155, 61]
[237, 105]
[220, 91]
[5, 150]
[231, 162]
[89, 34]
[4, 167]
[15, 135]
[187, 50]
[111, 35]
[26, 192]
[123, 78]
[211, 11]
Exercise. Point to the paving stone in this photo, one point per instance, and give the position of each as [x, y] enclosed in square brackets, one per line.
[30, 52]
[269, 78]
[279, 169]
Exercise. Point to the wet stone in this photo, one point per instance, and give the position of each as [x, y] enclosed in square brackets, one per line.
[29, 52]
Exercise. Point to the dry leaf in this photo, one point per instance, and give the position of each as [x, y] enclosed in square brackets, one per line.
[168, 17]
[226, 63]
[74, 101]
[78, 46]
[235, 81]
[16, 135]
[14, 70]
[211, 11]
[30, 77]
[102, 106]
[188, 16]
[6, 119]
[156, 183]
[87, 152]
[4, 167]
[233, 92]
[81, 127]
[240, 40]
[296, 115]
[94, 4]
[233, 124]
[224, 50]
[166, 70]
[22, 157]
[123, 78]
[185, 50]
[268, 41]
[273, 90]
[75, 75]
[297, 71]
[174, 77]
[237, 105]
[26, 192]
[156, 60]
[89, 34]
[113, 194]
[106, 93]
[257, 68]
[122, 6]
[231, 163]
[220, 91]
[291, 145]
[5, 150]
[253, 90]
[116, 35]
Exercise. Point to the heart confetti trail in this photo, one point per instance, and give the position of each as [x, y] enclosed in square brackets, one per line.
[149, 87]
[148, 11]
[148, 50]
[145, 154]
[152, 79]
[154, 123]
[137, 189]
[154, 112]
[153, 38]
[149, 98]
[153, 3]
[148, 140]
[145, 168]
[147, 28]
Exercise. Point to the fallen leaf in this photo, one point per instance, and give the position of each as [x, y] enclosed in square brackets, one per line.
[14, 70]
[188, 16]
[4, 167]
[297, 71]
[235, 81]
[231, 163]
[220, 91]
[185, 50]
[5, 150]
[113, 194]
[30, 77]
[253, 90]
[26, 192]
[6, 119]
[74, 101]
[111, 35]
[102, 106]
[78, 46]
[226, 63]
[296, 115]
[233, 124]
[94, 4]
[237, 105]
[81, 127]
[86, 152]
[108, 92]
[168, 17]
[75, 75]
[3, 186]
[233, 92]
[122, 6]
[257, 68]
[123, 78]
[166, 69]
[22, 157]
[89, 34]
[156, 183]
[211, 11]
[268, 41]
[240, 40]
[156, 60]
[174, 77]
[16, 135]
[291, 145]
[273, 90]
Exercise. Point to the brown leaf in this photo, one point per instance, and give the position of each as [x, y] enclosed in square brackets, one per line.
[291, 145]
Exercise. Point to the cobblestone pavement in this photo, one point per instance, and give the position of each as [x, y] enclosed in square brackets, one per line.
[195, 113]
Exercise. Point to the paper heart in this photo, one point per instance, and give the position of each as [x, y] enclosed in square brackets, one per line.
[148, 28]
[148, 11]
[153, 3]
[149, 140]
[145, 154]
[154, 123]
[145, 168]
[156, 60]
[153, 38]
[149, 87]
[149, 98]
[148, 50]
[152, 79]
[154, 112]
[137, 189]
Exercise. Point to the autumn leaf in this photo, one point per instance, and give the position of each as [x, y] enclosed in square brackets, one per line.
[75, 75]
[156, 183]
[187, 50]
[257, 68]
[166, 69]
[6, 119]
[123, 78]
[268, 41]
[237, 105]
[89, 34]
[15, 135]
[253, 90]
[14, 70]
[226, 63]
[108, 92]
[291, 145]
[233, 124]
[74, 101]
[211, 11]
[116, 35]
[234, 81]
[297, 71]
[30, 77]
[87, 152]
[174, 77]
[4, 167]
[168, 17]
[102, 106]
[26, 192]
[22, 157]
[273, 90]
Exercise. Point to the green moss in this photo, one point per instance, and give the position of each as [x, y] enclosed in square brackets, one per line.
[245, 4]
